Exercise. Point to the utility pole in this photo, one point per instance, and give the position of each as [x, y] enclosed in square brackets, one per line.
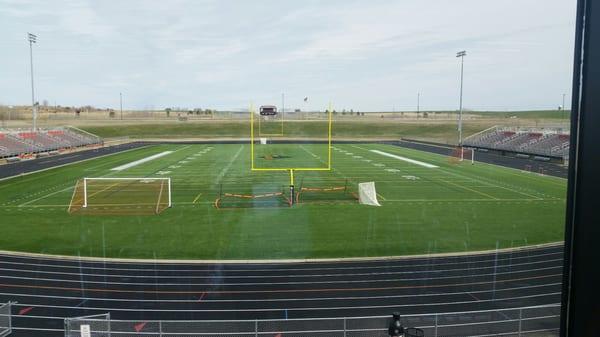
[418, 102]
[564, 108]
[282, 102]
[462, 55]
[121, 104]
[32, 40]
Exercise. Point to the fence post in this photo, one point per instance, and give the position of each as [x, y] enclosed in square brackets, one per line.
[436, 326]
[160, 328]
[255, 328]
[109, 326]
[520, 320]
[67, 325]
[344, 326]
[10, 317]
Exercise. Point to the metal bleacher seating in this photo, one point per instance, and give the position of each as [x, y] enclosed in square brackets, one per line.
[17, 142]
[529, 141]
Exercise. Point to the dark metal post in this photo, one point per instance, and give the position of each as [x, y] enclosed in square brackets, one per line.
[581, 296]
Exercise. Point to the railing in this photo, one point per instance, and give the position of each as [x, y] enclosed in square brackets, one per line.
[521, 322]
[5, 319]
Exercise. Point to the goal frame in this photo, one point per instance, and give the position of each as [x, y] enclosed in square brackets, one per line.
[85, 180]
[253, 140]
[291, 170]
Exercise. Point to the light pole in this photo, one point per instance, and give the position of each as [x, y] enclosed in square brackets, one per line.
[563, 107]
[462, 55]
[121, 104]
[418, 103]
[32, 40]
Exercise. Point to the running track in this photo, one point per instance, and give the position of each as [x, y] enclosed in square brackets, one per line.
[49, 289]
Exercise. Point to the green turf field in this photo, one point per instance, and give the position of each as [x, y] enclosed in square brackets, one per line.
[454, 207]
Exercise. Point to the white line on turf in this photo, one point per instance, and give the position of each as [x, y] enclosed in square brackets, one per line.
[226, 168]
[45, 196]
[141, 161]
[408, 160]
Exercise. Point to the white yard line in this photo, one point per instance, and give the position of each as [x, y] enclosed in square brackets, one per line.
[140, 161]
[408, 160]
[226, 168]
[45, 196]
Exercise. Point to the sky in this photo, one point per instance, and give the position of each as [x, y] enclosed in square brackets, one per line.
[364, 55]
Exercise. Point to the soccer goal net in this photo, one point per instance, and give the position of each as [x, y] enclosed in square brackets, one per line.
[460, 154]
[126, 196]
[326, 192]
[367, 195]
[252, 199]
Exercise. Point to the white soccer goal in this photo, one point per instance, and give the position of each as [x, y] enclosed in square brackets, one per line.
[367, 195]
[122, 195]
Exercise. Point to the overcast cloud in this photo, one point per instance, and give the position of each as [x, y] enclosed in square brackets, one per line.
[365, 55]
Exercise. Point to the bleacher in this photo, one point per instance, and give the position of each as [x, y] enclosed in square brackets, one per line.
[545, 142]
[16, 143]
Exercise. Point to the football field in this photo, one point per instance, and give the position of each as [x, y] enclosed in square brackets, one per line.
[428, 205]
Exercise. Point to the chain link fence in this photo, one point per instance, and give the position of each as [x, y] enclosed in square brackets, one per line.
[519, 322]
[5, 319]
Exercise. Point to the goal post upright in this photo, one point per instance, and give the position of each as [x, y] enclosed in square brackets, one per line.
[85, 199]
[286, 169]
[291, 187]
[291, 170]
[169, 190]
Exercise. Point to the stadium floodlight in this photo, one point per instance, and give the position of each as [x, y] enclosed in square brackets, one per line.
[32, 39]
[462, 55]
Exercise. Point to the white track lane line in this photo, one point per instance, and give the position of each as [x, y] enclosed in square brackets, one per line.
[307, 299]
[281, 276]
[281, 283]
[106, 309]
[527, 255]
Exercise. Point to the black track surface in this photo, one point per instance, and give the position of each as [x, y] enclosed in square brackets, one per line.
[48, 290]
[548, 168]
[27, 166]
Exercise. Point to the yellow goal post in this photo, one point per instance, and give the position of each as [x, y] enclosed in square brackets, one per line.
[291, 170]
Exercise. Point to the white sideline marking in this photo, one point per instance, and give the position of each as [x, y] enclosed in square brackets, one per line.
[408, 160]
[141, 161]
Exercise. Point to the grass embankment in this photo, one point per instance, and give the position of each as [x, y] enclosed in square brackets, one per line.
[442, 132]
[533, 114]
